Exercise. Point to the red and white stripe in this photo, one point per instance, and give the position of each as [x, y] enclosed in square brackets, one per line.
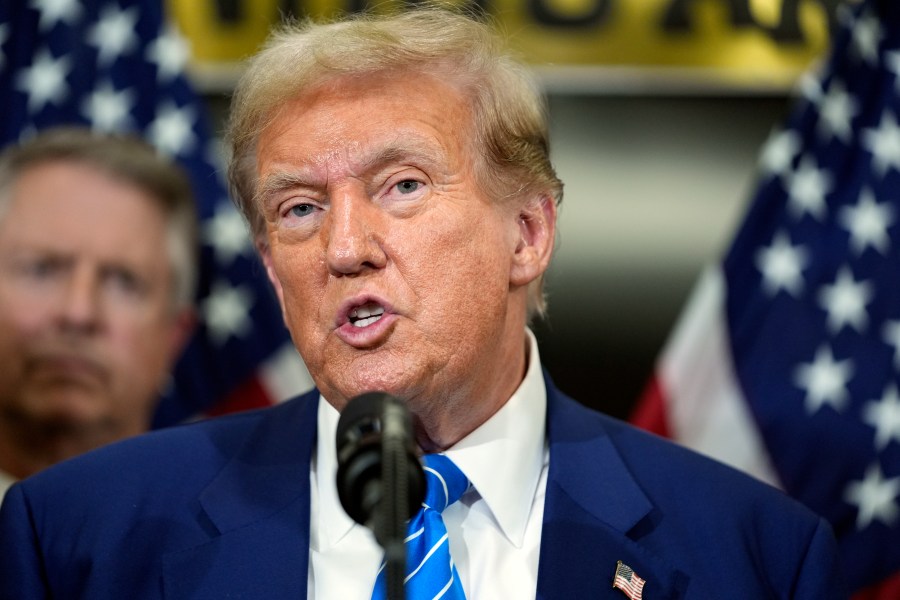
[695, 397]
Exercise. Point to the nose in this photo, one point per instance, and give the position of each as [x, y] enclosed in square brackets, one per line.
[80, 302]
[354, 235]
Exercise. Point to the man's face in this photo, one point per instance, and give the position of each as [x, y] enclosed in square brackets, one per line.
[392, 266]
[88, 329]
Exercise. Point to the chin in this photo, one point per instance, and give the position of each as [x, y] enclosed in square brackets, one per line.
[401, 390]
[380, 374]
[77, 408]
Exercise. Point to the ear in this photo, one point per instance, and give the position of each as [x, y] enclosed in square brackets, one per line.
[265, 253]
[537, 234]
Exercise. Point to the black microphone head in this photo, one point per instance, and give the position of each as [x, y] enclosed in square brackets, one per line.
[361, 418]
[367, 424]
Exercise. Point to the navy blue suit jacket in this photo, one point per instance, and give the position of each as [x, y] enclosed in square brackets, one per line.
[220, 509]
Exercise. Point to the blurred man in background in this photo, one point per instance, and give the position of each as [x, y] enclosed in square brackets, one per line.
[97, 274]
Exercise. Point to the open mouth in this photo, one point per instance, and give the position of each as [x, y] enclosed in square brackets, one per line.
[365, 315]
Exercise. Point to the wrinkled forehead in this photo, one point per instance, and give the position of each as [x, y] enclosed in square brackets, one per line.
[352, 123]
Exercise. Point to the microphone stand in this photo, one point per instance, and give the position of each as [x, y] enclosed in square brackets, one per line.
[394, 505]
[380, 480]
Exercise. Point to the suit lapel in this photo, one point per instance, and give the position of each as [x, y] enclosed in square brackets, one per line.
[256, 512]
[594, 513]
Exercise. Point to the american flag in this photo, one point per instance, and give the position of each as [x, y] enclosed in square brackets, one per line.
[628, 581]
[119, 65]
[786, 362]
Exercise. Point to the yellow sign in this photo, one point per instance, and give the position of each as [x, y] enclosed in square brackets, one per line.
[766, 41]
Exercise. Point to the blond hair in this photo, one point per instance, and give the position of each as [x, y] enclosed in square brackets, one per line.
[509, 111]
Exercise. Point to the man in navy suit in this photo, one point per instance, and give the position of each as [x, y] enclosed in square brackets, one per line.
[396, 177]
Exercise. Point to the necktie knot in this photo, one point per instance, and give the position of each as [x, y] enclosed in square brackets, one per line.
[444, 482]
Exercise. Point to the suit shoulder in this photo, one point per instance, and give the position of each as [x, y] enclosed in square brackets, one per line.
[720, 527]
[671, 473]
[160, 459]
[652, 457]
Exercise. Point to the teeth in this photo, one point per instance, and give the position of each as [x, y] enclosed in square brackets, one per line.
[365, 315]
[365, 322]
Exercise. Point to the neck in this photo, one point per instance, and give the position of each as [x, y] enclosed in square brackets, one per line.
[457, 416]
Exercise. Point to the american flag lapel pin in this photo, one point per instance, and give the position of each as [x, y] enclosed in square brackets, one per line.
[628, 581]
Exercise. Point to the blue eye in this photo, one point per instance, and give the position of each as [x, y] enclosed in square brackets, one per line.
[301, 210]
[408, 186]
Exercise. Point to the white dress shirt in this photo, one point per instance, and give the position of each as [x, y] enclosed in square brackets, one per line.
[495, 529]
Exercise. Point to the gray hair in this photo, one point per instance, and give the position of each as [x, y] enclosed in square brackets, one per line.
[509, 111]
[128, 159]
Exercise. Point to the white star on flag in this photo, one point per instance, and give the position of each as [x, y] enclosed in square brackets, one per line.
[884, 143]
[825, 381]
[837, 110]
[868, 222]
[845, 301]
[56, 11]
[875, 496]
[810, 87]
[113, 34]
[45, 80]
[782, 265]
[807, 188]
[172, 129]
[779, 151]
[109, 109]
[867, 36]
[226, 311]
[884, 416]
[227, 233]
[170, 53]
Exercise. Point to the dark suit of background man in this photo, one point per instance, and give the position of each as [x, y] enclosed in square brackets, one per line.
[396, 177]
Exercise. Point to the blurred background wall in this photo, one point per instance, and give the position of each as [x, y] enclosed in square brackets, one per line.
[654, 188]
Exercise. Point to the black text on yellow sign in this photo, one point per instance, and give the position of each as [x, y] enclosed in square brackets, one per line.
[758, 38]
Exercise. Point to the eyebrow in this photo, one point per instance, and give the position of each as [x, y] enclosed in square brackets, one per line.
[415, 151]
[279, 182]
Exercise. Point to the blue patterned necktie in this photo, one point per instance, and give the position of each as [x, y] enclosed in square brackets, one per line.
[430, 572]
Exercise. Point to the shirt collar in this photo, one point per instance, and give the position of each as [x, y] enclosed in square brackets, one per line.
[503, 458]
[332, 522]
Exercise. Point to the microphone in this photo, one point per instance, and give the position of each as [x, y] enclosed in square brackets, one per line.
[380, 480]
